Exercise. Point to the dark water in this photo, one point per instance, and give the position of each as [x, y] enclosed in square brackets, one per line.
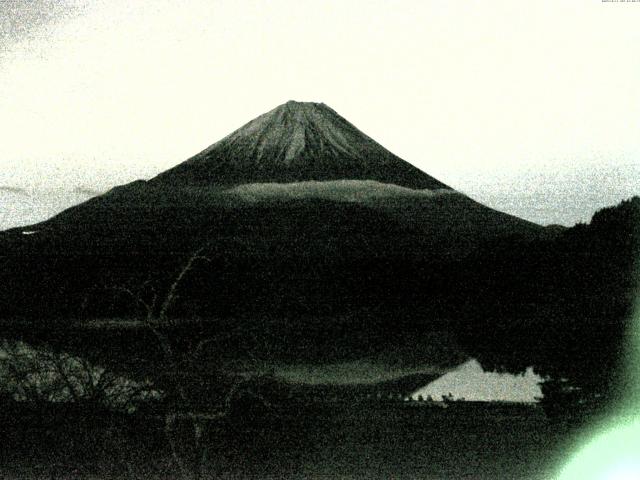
[464, 442]
[313, 441]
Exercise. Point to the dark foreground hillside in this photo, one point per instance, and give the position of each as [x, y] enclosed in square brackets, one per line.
[481, 441]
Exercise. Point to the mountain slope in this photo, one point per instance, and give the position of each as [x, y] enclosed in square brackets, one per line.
[323, 249]
[296, 142]
[318, 239]
[300, 166]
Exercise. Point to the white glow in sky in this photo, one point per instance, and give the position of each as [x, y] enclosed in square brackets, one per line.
[531, 108]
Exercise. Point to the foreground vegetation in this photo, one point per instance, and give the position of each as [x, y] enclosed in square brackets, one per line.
[565, 310]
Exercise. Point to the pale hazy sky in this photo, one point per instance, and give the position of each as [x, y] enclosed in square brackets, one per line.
[532, 107]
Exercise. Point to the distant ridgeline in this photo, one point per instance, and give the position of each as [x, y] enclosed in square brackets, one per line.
[564, 305]
[319, 244]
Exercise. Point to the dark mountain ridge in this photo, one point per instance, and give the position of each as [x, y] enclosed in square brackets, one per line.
[348, 202]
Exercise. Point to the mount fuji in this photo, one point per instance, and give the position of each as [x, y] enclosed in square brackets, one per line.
[297, 142]
[321, 242]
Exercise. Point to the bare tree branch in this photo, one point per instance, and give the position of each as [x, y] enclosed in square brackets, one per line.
[171, 295]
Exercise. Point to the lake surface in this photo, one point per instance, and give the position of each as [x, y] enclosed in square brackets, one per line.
[323, 440]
